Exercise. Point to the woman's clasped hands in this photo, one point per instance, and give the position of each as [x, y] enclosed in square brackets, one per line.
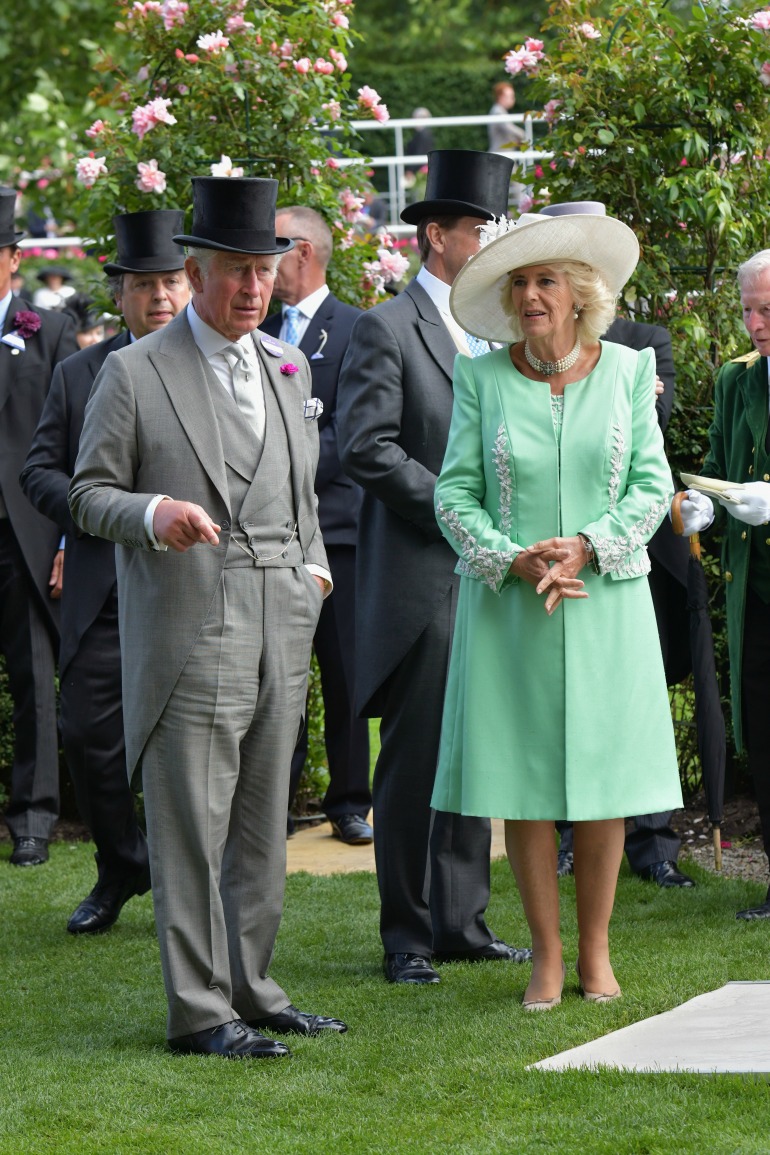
[552, 567]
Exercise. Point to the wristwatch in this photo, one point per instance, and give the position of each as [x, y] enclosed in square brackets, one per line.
[590, 552]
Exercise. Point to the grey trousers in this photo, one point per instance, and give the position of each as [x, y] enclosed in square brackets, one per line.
[216, 784]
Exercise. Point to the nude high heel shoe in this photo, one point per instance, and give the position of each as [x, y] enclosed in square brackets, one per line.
[545, 1004]
[596, 996]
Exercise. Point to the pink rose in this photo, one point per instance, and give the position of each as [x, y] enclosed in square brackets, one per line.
[302, 65]
[333, 109]
[550, 108]
[332, 163]
[97, 127]
[683, 162]
[323, 66]
[761, 20]
[351, 205]
[213, 42]
[89, 168]
[764, 73]
[587, 29]
[340, 20]
[339, 59]
[367, 97]
[533, 45]
[146, 116]
[289, 370]
[150, 179]
[525, 203]
[237, 23]
[173, 12]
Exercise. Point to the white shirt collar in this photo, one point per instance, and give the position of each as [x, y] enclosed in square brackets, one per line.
[437, 290]
[310, 305]
[209, 341]
[5, 305]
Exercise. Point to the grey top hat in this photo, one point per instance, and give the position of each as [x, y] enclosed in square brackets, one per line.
[9, 234]
[236, 215]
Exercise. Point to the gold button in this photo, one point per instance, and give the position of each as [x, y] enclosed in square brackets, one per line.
[728, 576]
[751, 470]
[753, 449]
[743, 535]
[767, 541]
[766, 476]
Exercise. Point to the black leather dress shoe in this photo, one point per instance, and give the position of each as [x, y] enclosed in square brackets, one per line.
[232, 1040]
[29, 851]
[565, 864]
[291, 1021]
[409, 968]
[353, 829]
[756, 912]
[495, 951]
[100, 910]
[665, 874]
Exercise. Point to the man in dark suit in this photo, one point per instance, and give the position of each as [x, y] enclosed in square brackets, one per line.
[32, 343]
[150, 287]
[316, 321]
[651, 847]
[394, 408]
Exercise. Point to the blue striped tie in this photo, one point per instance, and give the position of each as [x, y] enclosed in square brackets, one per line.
[291, 317]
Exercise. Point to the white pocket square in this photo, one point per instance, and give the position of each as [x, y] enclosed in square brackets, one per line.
[313, 409]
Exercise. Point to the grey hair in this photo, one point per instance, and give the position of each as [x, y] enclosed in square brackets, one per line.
[115, 285]
[205, 256]
[752, 269]
[309, 225]
[593, 299]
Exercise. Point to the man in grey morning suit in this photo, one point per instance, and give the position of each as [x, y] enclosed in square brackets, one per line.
[203, 439]
[150, 287]
[393, 410]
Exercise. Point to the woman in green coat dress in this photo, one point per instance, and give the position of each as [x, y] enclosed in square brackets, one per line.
[554, 480]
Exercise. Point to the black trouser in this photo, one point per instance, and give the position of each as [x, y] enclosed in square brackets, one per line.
[755, 691]
[92, 734]
[27, 645]
[651, 840]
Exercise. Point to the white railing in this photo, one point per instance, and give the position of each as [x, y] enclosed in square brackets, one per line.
[399, 160]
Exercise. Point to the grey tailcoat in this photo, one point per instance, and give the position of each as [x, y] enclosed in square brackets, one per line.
[394, 406]
[150, 428]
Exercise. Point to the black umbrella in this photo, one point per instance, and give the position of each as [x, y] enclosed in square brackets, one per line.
[709, 720]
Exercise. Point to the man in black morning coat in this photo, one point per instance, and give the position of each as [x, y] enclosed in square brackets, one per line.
[150, 287]
[32, 342]
[323, 324]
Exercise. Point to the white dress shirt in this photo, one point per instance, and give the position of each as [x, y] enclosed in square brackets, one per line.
[308, 307]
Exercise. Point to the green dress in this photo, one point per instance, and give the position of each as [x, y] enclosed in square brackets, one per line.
[567, 716]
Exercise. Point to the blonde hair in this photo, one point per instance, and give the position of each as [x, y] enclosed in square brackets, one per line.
[595, 302]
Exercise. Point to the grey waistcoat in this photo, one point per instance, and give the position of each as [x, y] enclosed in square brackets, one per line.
[264, 521]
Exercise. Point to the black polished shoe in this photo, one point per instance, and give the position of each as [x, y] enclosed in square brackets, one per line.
[756, 912]
[100, 910]
[565, 864]
[232, 1040]
[409, 968]
[665, 874]
[353, 829]
[495, 951]
[29, 851]
[291, 1021]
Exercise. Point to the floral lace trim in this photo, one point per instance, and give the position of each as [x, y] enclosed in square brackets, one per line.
[616, 554]
[487, 565]
[502, 459]
[616, 464]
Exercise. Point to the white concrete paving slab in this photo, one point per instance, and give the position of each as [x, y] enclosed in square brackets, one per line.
[727, 1030]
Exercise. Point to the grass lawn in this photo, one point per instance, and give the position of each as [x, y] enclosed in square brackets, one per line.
[439, 1069]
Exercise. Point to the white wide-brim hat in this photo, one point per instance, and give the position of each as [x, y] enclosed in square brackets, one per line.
[604, 243]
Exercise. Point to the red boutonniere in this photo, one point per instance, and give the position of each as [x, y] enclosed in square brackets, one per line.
[26, 323]
[288, 369]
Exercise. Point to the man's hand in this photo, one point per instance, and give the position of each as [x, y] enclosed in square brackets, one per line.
[57, 575]
[558, 580]
[321, 583]
[180, 524]
[753, 505]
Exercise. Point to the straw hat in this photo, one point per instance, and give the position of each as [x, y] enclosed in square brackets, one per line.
[604, 243]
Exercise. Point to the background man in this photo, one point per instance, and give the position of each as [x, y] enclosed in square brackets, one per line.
[32, 343]
[394, 409]
[739, 451]
[195, 431]
[313, 319]
[150, 287]
[652, 847]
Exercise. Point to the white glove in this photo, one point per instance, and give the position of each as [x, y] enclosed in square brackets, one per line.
[753, 503]
[697, 512]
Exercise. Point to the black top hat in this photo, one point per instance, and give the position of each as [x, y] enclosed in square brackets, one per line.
[9, 234]
[235, 214]
[146, 242]
[463, 183]
[54, 271]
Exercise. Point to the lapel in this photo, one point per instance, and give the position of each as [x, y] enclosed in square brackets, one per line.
[753, 386]
[434, 333]
[103, 350]
[9, 360]
[177, 360]
[290, 401]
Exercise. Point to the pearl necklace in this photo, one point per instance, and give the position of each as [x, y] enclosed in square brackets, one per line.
[548, 368]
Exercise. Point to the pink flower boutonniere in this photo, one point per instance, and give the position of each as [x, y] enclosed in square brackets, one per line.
[288, 369]
[26, 323]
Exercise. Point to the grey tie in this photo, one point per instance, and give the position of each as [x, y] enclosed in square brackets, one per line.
[291, 316]
[247, 387]
[476, 345]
